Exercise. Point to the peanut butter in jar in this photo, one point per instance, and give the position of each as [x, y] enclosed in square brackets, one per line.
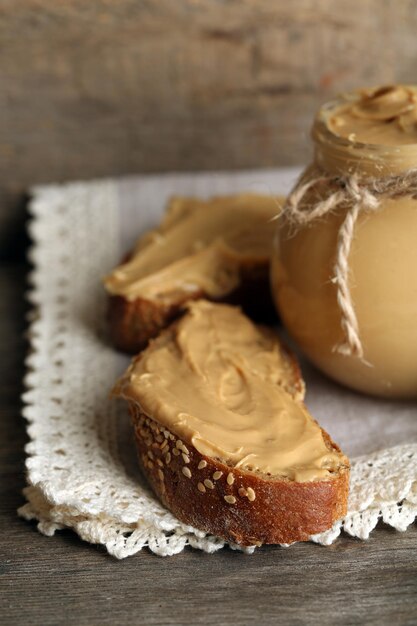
[344, 271]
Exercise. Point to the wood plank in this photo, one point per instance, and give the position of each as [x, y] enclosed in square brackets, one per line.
[103, 88]
[63, 581]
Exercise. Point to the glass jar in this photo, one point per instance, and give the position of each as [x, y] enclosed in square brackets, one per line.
[381, 273]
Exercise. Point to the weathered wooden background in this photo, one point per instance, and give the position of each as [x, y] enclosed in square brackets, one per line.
[98, 88]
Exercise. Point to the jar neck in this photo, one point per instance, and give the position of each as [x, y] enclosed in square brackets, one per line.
[342, 157]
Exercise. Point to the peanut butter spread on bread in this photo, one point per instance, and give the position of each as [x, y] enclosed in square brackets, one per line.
[200, 246]
[218, 382]
[384, 115]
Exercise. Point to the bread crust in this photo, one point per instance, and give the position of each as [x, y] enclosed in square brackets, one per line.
[193, 487]
[132, 323]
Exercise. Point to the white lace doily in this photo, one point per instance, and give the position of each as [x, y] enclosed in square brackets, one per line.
[81, 465]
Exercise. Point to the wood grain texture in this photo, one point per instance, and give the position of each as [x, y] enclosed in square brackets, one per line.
[101, 88]
[63, 581]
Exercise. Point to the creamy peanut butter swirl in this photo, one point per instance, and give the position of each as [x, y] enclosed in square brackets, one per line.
[217, 381]
[199, 246]
[384, 115]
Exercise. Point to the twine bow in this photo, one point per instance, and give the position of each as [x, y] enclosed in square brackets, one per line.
[358, 195]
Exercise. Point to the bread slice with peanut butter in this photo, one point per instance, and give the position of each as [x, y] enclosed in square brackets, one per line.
[217, 249]
[222, 433]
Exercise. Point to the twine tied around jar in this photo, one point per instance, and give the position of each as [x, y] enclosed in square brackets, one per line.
[358, 194]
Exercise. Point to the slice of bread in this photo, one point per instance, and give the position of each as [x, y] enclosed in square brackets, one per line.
[217, 249]
[222, 433]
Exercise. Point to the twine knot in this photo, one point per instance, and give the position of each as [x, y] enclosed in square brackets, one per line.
[360, 194]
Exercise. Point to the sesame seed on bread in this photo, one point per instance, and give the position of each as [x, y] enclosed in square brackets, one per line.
[242, 507]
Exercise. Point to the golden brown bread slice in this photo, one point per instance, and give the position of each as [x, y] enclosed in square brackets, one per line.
[217, 249]
[223, 435]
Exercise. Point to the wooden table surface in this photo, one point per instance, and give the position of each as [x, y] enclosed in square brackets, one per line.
[62, 580]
